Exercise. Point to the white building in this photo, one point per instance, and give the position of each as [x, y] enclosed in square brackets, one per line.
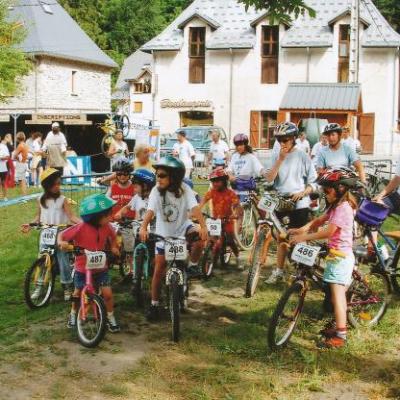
[133, 90]
[70, 81]
[218, 64]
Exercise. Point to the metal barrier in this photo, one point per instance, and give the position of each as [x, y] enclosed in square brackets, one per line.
[383, 167]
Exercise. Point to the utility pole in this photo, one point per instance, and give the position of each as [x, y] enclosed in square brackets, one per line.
[354, 42]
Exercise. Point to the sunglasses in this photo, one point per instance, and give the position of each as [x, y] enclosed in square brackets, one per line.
[284, 140]
[162, 176]
[123, 173]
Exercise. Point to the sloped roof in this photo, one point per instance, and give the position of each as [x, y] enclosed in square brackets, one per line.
[322, 96]
[235, 26]
[133, 66]
[205, 18]
[51, 31]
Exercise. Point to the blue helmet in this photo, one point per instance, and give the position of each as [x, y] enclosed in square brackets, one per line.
[144, 176]
[189, 182]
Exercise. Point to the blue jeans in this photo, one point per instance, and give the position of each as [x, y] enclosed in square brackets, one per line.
[65, 267]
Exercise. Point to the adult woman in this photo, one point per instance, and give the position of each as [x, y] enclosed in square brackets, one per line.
[10, 179]
[36, 168]
[293, 175]
[118, 148]
[20, 155]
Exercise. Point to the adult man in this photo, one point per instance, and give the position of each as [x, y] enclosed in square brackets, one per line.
[219, 150]
[337, 154]
[354, 144]
[55, 148]
[185, 152]
[303, 144]
[323, 142]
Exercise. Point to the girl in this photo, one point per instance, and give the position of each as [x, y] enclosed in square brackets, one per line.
[54, 209]
[95, 233]
[170, 202]
[142, 158]
[339, 232]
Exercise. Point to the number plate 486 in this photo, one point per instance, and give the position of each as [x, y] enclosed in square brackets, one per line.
[305, 254]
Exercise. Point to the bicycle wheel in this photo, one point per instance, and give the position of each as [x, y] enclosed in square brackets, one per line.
[395, 277]
[39, 284]
[125, 267]
[138, 292]
[106, 143]
[206, 262]
[174, 306]
[91, 330]
[124, 124]
[367, 300]
[286, 316]
[245, 236]
[258, 258]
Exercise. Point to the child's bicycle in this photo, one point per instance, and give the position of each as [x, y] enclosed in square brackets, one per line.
[91, 315]
[110, 126]
[40, 278]
[367, 297]
[126, 235]
[219, 248]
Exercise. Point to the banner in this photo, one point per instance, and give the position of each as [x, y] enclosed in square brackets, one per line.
[78, 166]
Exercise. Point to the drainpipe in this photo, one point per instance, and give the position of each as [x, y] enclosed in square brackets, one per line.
[308, 65]
[230, 94]
[154, 89]
[396, 85]
[37, 63]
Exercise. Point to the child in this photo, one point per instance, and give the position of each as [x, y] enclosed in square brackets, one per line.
[143, 181]
[95, 233]
[122, 190]
[142, 158]
[170, 203]
[54, 209]
[339, 232]
[225, 203]
[21, 165]
[4, 156]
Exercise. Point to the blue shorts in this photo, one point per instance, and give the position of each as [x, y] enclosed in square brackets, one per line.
[339, 270]
[99, 279]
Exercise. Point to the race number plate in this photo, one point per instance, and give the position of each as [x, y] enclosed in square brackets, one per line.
[176, 250]
[95, 259]
[267, 204]
[214, 226]
[48, 237]
[305, 254]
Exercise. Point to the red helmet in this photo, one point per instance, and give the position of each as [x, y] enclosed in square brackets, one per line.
[241, 138]
[218, 173]
[333, 177]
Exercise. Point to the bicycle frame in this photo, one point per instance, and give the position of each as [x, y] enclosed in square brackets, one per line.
[87, 291]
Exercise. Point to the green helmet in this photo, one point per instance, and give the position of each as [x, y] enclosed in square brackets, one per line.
[96, 204]
[174, 164]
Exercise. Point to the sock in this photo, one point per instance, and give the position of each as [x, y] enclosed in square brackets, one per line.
[155, 303]
[341, 333]
[192, 264]
[73, 312]
[110, 314]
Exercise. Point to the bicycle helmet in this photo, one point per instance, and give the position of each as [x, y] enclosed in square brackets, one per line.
[49, 175]
[286, 129]
[334, 177]
[122, 165]
[241, 138]
[95, 205]
[333, 128]
[218, 174]
[189, 182]
[144, 176]
[172, 164]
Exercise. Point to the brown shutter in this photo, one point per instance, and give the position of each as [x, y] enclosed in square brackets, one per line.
[281, 117]
[367, 132]
[255, 128]
[197, 70]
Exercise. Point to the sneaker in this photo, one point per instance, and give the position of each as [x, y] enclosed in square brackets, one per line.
[334, 342]
[71, 321]
[276, 275]
[193, 271]
[153, 314]
[113, 327]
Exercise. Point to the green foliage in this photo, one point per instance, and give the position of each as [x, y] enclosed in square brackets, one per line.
[14, 64]
[390, 9]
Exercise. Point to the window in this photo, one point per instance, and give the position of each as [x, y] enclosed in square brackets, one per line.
[262, 125]
[138, 87]
[73, 83]
[137, 107]
[344, 53]
[197, 55]
[270, 54]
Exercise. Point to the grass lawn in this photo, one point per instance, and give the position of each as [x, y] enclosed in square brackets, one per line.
[222, 354]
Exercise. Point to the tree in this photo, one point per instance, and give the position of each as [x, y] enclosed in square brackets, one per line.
[390, 9]
[14, 64]
[281, 10]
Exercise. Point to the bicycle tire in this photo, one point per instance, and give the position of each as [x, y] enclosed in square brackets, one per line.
[106, 143]
[395, 280]
[174, 306]
[102, 325]
[255, 264]
[138, 280]
[39, 263]
[296, 288]
[247, 227]
[124, 124]
[206, 262]
[361, 315]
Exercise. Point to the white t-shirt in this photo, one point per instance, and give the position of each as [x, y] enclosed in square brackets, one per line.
[247, 165]
[185, 152]
[139, 205]
[54, 214]
[219, 150]
[350, 142]
[55, 140]
[3, 153]
[36, 145]
[303, 145]
[171, 212]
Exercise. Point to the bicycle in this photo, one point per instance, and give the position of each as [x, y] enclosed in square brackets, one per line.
[110, 126]
[219, 248]
[127, 233]
[91, 315]
[375, 182]
[40, 278]
[268, 229]
[368, 295]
